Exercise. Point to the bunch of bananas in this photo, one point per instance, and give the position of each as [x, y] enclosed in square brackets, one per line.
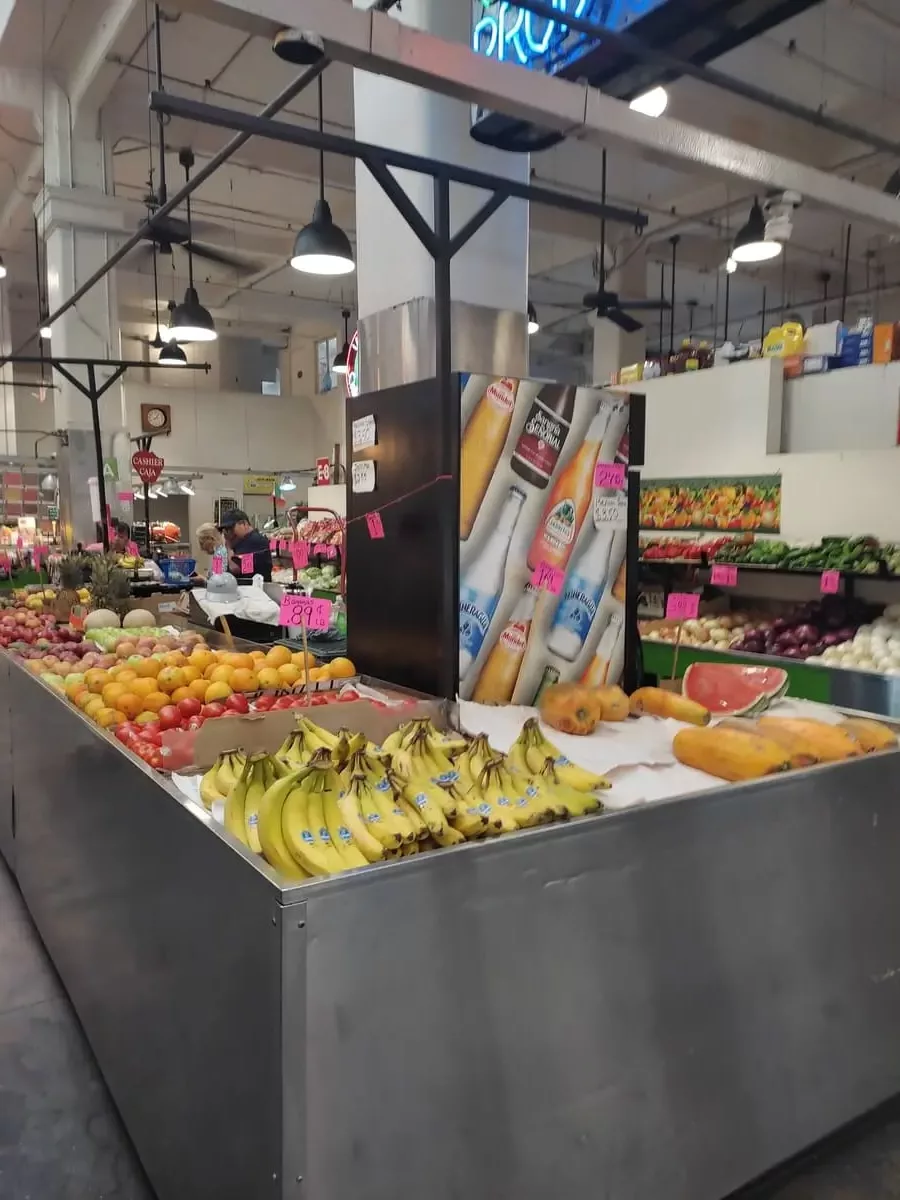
[326, 802]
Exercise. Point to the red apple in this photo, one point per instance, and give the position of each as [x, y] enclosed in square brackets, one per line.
[169, 717]
[215, 709]
[190, 707]
[237, 703]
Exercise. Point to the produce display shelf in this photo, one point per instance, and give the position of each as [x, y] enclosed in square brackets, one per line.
[250, 1033]
[763, 568]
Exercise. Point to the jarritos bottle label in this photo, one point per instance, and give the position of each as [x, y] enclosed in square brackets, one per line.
[560, 527]
[502, 395]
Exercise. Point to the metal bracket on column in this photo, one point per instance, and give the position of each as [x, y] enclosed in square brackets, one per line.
[93, 392]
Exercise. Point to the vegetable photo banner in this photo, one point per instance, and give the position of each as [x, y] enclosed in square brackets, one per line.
[749, 504]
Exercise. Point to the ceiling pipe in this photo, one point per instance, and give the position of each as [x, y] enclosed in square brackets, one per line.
[632, 45]
[231, 147]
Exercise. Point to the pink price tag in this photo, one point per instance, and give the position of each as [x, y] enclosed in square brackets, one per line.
[830, 583]
[300, 554]
[273, 545]
[723, 575]
[4, 560]
[376, 529]
[38, 554]
[217, 565]
[125, 497]
[609, 475]
[246, 564]
[320, 548]
[19, 543]
[304, 610]
[332, 552]
[682, 606]
[547, 577]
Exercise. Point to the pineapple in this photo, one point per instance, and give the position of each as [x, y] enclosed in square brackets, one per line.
[71, 579]
[109, 584]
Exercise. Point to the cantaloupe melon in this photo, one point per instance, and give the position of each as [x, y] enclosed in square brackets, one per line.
[101, 618]
[138, 618]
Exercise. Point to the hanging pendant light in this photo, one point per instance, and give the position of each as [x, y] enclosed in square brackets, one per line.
[172, 355]
[287, 484]
[340, 364]
[191, 322]
[187, 486]
[321, 247]
[534, 324]
[750, 245]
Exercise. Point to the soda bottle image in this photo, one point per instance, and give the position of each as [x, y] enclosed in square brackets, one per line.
[544, 434]
[482, 583]
[498, 679]
[584, 587]
[482, 445]
[550, 676]
[569, 501]
[606, 665]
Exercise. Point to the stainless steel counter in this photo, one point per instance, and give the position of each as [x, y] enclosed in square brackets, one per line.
[660, 1003]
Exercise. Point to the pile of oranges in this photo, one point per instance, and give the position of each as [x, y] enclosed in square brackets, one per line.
[136, 690]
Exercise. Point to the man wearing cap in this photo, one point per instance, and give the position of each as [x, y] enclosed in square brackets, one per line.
[242, 538]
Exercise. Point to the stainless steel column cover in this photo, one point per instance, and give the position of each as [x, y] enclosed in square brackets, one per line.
[168, 941]
[398, 346]
[663, 1003]
[7, 845]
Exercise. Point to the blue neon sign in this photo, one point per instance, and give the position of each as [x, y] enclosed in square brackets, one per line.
[512, 34]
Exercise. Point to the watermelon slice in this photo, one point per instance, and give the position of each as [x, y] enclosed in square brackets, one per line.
[728, 689]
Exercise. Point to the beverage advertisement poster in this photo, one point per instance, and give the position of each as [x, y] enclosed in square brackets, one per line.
[751, 503]
[542, 546]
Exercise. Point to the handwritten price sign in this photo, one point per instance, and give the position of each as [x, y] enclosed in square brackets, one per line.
[304, 610]
[724, 576]
[609, 475]
[830, 583]
[300, 554]
[547, 577]
[246, 564]
[682, 606]
[376, 529]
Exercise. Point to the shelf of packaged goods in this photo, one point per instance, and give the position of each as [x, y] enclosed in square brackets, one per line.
[810, 679]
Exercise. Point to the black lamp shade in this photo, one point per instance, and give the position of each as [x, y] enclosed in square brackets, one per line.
[321, 247]
[172, 355]
[750, 245]
[300, 47]
[339, 366]
[191, 322]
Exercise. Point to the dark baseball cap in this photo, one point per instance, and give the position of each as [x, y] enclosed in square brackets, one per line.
[232, 518]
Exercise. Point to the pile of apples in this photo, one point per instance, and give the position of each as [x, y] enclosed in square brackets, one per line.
[23, 627]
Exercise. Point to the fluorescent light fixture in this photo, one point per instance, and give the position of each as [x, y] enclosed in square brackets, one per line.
[46, 333]
[191, 322]
[287, 484]
[187, 487]
[534, 324]
[751, 245]
[652, 103]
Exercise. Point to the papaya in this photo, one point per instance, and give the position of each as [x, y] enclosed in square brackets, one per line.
[572, 708]
[830, 742]
[871, 735]
[730, 754]
[803, 750]
[659, 703]
[615, 703]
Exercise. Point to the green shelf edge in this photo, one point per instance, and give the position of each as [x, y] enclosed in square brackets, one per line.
[804, 683]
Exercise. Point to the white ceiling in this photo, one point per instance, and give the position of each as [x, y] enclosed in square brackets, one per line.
[839, 56]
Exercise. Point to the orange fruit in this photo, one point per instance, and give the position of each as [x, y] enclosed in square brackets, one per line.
[303, 659]
[278, 656]
[221, 674]
[84, 697]
[241, 661]
[289, 674]
[116, 671]
[269, 678]
[244, 680]
[75, 689]
[319, 675]
[93, 706]
[257, 655]
[170, 679]
[130, 705]
[143, 687]
[112, 692]
[96, 679]
[175, 658]
[201, 659]
[148, 668]
[341, 668]
[144, 718]
[155, 701]
[190, 674]
[125, 675]
[182, 693]
[198, 688]
[106, 718]
[217, 691]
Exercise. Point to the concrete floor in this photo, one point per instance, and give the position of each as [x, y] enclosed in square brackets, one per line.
[61, 1138]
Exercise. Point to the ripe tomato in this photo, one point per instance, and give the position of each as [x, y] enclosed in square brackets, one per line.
[151, 737]
[190, 707]
[127, 732]
[169, 717]
[237, 702]
[212, 710]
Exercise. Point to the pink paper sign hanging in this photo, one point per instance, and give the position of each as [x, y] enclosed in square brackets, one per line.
[39, 554]
[830, 583]
[547, 577]
[682, 606]
[723, 575]
[304, 610]
[19, 543]
[273, 545]
[246, 564]
[300, 554]
[376, 529]
[609, 475]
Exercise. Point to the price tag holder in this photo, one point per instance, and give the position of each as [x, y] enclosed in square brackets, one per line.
[830, 583]
[550, 579]
[217, 565]
[682, 606]
[300, 554]
[723, 575]
[246, 564]
[609, 475]
[376, 529]
[304, 610]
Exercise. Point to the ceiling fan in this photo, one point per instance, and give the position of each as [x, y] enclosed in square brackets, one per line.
[607, 305]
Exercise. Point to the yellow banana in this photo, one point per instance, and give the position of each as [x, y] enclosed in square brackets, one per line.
[391, 813]
[234, 807]
[514, 810]
[449, 837]
[316, 736]
[229, 766]
[410, 812]
[209, 787]
[256, 789]
[421, 795]
[302, 824]
[271, 836]
[393, 742]
[381, 828]
[573, 802]
[349, 807]
[569, 773]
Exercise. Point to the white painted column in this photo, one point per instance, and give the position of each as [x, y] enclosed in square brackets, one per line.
[489, 276]
[614, 348]
[8, 439]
